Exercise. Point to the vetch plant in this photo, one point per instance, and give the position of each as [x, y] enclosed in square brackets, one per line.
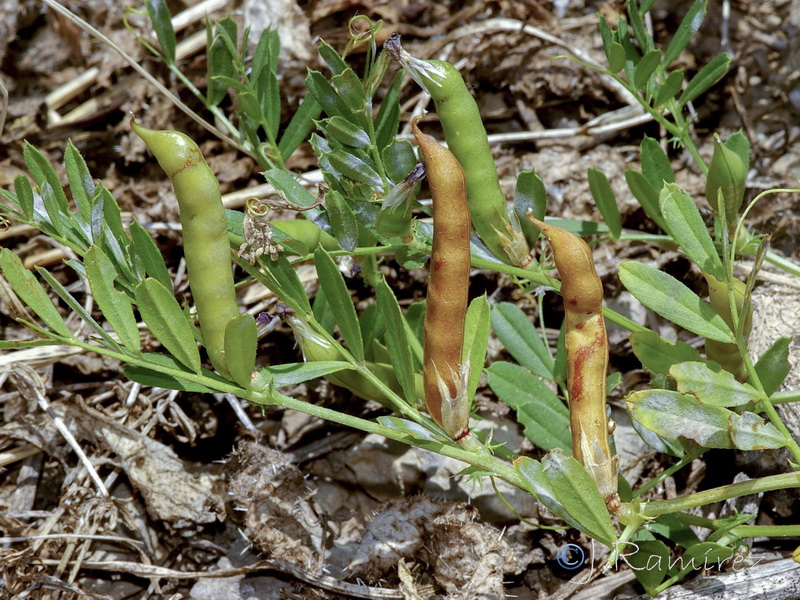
[423, 363]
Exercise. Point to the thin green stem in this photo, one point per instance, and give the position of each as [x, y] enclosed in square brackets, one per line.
[782, 263]
[514, 511]
[651, 238]
[481, 460]
[630, 529]
[775, 419]
[785, 397]
[678, 129]
[214, 110]
[754, 486]
[742, 531]
[766, 404]
[140, 361]
[729, 256]
[668, 472]
[681, 131]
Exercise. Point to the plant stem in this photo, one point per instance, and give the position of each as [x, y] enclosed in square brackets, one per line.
[783, 263]
[630, 529]
[743, 531]
[734, 490]
[681, 130]
[668, 472]
[785, 397]
[652, 238]
[214, 110]
[766, 404]
[482, 460]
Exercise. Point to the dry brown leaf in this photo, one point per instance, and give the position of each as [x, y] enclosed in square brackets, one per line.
[280, 518]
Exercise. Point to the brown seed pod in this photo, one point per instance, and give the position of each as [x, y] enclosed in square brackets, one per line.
[587, 357]
[448, 288]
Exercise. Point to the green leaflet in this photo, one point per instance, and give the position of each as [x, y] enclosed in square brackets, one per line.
[353, 167]
[673, 416]
[686, 226]
[294, 373]
[147, 250]
[25, 285]
[397, 340]
[564, 486]
[647, 196]
[78, 308]
[668, 297]
[616, 57]
[655, 163]
[707, 77]
[657, 354]
[606, 201]
[645, 69]
[476, 339]
[241, 339]
[670, 87]
[344, 225]
[522, 340]
[727, 177]
[299, 127]
[166, 321]
[648, 558]
[327, 97]
[115, 305]
[345, 132]
[712, 388]
[774, 365]
[295, 192]
[545, 417]
[686, 31]
[80, 181]
[530, 195]
[162, 24]
[336, 291]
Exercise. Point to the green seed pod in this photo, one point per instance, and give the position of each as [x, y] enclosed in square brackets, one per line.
[727, 175]
[466, 139]
[727, 355]
[205, 235]
[308, 233]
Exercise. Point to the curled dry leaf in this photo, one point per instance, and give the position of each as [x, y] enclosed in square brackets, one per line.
[469, 558]
[273, 493]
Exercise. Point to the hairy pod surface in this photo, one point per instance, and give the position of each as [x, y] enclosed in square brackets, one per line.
[448, 287]
[205, 235]
[587, 356]
[466, 138]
